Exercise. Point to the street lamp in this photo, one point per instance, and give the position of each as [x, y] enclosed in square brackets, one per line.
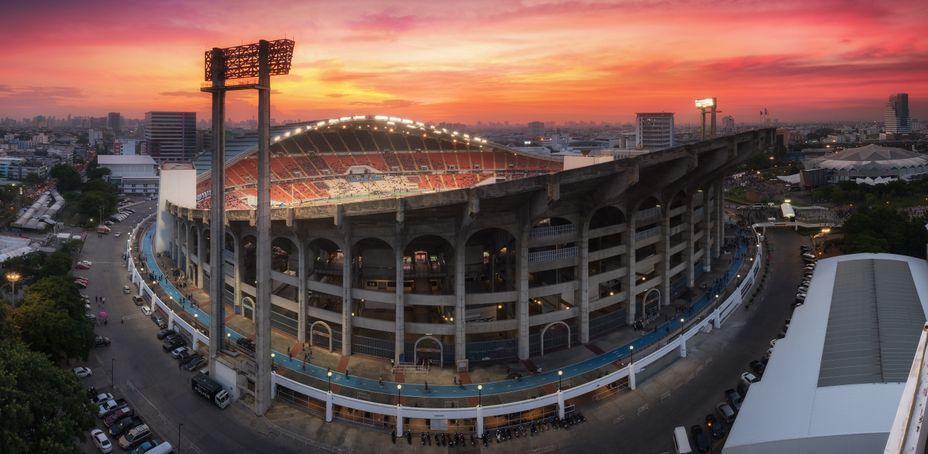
[559, 374]
[681, 328]
[631, 353]
[479, 389]
[13, 277]
[329, 373]
[399, 388]
[113, 372]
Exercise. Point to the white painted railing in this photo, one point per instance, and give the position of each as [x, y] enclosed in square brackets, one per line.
[552, 230]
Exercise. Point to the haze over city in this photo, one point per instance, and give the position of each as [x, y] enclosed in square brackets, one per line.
[475, 61]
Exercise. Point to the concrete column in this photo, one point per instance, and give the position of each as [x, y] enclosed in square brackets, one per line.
[719, 218]
[301, 297]
[346, 296]
[560, 404]
[460, 329]
[328, 407]
[632, 382]
[201, 258]
[688, 237]
[584, 288]
[237, 272]
[631, 280]
[188, 245]
[522, 287]
[399, 420]
[706, 232]
[682, 347]
[399, 333]
[479, 421]
[663, 248]
[263, 252]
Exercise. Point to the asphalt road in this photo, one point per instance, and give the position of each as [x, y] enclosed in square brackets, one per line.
[147, 376]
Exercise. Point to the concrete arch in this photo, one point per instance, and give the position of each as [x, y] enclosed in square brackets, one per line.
[248, 306]
[498, 259]
[230, 242]
[429, 261]
[312, 329]
[545, 329]
[441, 349]
[284, 254]
[648, 299]
[604, 216]
[678, 199]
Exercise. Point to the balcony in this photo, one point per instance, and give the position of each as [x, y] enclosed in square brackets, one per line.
[552, 255]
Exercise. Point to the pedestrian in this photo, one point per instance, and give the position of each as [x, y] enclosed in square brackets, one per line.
[106, 321]
[347, 377]
[426, 386]
[380, 380]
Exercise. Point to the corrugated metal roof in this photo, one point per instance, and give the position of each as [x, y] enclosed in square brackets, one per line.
[873, 324]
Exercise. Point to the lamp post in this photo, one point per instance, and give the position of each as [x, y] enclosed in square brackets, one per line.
[329, 373]
[681, 327]
[399, 388]
[112, 371]
[479, 389]
[631, 354]
[13, 277]
[179, 425]
[559, 374]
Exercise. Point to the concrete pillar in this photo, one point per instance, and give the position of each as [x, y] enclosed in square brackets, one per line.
[263, 252]
[301, 288]
[237, 272]
[717, 319]
[188, 245]
[584, 288]
[719, 219]
[663, 248]
[632, 381]
[560, 404]
[399, 420]
[328, 407]
[479, 419]
[522, 287]
[706, 233]
[201, 259]
[682, 347]
[399, 333]
[460, 330]
[346, 295]
[631, 279]
[688, 237]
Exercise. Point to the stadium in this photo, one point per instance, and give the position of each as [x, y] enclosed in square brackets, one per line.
[401, 240]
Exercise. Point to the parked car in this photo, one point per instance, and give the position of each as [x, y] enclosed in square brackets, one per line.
[171, 343]
[742, 389]
[138, 300]
[190, 357]
[135, 436]
[180, 352]
[117, 414]
[102, 397]
[146, 310]
[734, 399]
[726, 413]
[101, 441]
[196, 363]
[700, 440]
[714, 426]
[124, 425]
[165, 333]
[758, 368]
[160, 322]
[145, 446]
[109, 406]
[82, 371]
[101, 341]
[82, 283]
[773, 342]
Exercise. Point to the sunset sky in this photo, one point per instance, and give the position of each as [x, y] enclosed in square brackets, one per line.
[468, 61]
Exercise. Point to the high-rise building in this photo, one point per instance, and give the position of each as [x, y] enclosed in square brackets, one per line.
[897, 114]
[171, 136]
[536, 129]
[114, 123]
[728, 123]
[654, 130]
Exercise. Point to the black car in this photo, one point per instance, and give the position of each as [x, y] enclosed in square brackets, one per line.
[195, 364]
[733, 399]
[714, 426]
[101, 341]
[758, 368]
[743, 389]
[699, 438]
[160, 322]
[172, 342]
[165, 333]
[189, 357]
[124, 425]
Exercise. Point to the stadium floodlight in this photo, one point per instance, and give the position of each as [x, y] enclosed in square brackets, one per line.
[241, 62]
[705, 102]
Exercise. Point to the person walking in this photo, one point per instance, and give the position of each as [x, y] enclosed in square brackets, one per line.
[347, 377]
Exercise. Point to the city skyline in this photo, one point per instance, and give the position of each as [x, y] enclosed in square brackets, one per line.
[480, 61]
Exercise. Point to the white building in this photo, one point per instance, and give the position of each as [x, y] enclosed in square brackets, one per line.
[834, 383]
[131, 174]
[654, 130]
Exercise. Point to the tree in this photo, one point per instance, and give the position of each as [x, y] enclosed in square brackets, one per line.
[44, 408]
[883, 229]
[68, 178]
[57, 264]
[51, 320]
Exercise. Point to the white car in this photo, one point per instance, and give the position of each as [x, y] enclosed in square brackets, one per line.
[773, 343]
[749, 378]
[116, 234]
[101, 441]
[106, 407]
[102, 397]
[146, 310]
[177, 352]
[82, 372]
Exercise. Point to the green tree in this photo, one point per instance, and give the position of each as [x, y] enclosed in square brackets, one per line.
[44, 408]
[57, 264]
[68, 177]
[51, 320]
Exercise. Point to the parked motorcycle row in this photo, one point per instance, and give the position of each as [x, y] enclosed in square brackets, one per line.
[500, 435]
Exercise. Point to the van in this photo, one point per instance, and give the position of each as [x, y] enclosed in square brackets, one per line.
[681, 442]
[163, 448]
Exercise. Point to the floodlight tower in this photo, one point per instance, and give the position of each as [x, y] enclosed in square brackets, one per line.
[244, 64]
[707, 105]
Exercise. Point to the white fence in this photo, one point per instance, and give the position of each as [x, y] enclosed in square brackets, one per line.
[478, 413]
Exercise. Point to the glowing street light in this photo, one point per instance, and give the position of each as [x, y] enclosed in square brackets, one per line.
[559, 374]
[329, 373]
[13, 277]
[399, 388]
[631, 353]
[479, 389]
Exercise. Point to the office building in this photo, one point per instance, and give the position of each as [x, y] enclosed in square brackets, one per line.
[536, 129]
[897, 114]
[114, 123]
[126, 147]
[171, 136]
[654, 130]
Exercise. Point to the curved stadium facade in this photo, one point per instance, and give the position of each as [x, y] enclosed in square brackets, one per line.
[401, 240]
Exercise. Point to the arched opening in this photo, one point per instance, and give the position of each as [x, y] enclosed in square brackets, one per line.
[248, 308]
[320, 337]
[490, 261]
[650, 305]
[552, 252]
[373, 270]
[285, 260]
[606, 227]
[229, 242]
[206, 246]
[284, 256]
[648, 235]
[429, 353]
[428, 266]
[325, 265]
[557, 328]
[248, 257]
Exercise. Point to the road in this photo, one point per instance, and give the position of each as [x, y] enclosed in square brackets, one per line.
[147, 376]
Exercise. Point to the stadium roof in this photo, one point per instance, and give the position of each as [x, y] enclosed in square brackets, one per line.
[125, 160]
[834, 382]
[873, 156]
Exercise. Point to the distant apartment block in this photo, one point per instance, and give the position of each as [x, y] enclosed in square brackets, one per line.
[897, 114]
[171, 136]
[654, 130]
